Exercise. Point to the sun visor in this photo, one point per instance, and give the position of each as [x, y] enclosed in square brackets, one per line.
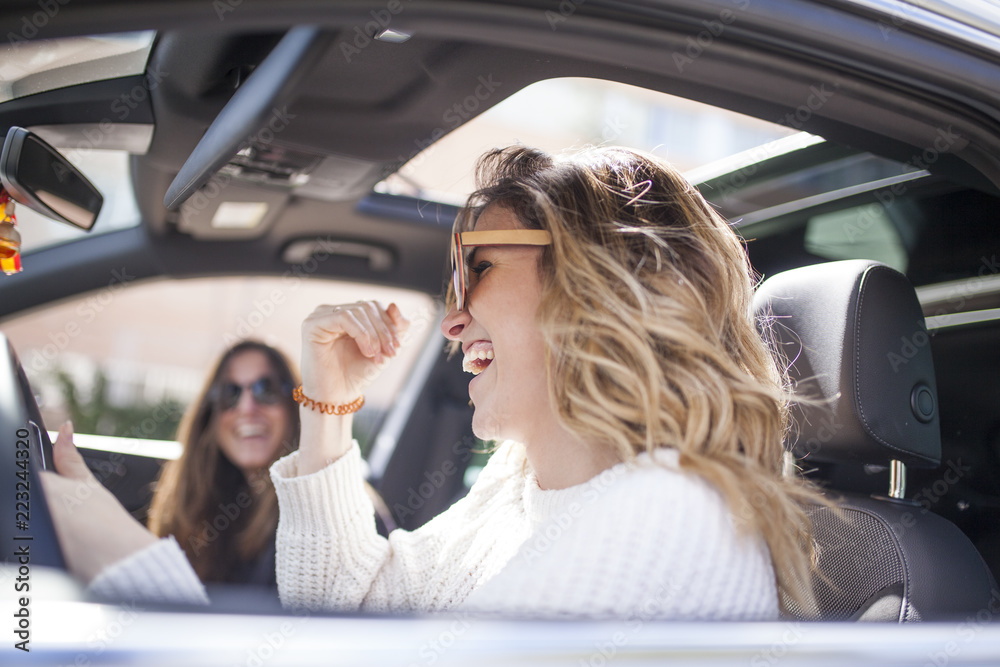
[225, 209]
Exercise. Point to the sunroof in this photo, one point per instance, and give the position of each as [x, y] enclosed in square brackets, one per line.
[31, 65]
[570, 113]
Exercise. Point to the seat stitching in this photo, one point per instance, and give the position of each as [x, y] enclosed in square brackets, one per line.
[857, 366]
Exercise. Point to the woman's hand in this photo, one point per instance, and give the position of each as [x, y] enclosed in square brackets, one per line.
[94, 530]
[344, 348]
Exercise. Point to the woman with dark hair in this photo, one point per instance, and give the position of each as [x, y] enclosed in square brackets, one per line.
[217, 499]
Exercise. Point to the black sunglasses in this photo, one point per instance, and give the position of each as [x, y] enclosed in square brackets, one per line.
[265, 391]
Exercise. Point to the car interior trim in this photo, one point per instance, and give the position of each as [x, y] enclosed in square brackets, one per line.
[960, 295]
[978, 25]
[166, 450]
[247, 112]
[380, 258]
[134, 138]
[962, 319]
[395, 421]
[809, 203]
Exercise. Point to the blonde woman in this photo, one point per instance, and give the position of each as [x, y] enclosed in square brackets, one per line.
[603, 309]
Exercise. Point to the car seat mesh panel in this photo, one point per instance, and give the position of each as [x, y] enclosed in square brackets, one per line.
[858, 559]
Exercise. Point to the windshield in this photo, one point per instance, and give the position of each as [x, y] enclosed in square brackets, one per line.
[108, 360]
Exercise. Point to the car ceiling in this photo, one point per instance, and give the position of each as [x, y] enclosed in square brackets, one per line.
[890, 96]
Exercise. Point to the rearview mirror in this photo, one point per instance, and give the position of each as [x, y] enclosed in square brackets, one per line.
[37, 176]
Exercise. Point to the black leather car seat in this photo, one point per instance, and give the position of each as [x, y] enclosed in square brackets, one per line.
[854, 337]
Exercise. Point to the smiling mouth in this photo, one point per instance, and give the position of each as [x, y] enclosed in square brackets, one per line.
[476, 360]
[250, 430]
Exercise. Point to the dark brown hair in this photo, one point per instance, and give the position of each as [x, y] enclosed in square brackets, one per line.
[219, 516]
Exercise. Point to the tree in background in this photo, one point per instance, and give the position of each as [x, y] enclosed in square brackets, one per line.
[97, 415]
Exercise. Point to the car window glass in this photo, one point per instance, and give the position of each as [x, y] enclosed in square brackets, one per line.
[566, 113]
[127, 360]
[859, 232]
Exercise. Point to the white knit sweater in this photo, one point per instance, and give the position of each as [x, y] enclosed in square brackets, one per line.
[641, 539]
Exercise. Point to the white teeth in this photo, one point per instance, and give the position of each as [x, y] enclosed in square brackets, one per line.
[250, 430]
[472, 363]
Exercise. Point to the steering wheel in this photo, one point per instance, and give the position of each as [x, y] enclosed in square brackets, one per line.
[27, 534]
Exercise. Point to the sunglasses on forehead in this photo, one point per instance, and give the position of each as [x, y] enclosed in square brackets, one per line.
[265, 391]
[462, 240]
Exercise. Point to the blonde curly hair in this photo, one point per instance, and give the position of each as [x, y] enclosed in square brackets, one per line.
[650, 337]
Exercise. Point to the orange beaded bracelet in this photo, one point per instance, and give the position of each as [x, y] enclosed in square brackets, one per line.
[326, 408]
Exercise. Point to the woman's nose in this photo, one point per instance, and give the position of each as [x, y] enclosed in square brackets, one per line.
[246, 402]
[454, 323]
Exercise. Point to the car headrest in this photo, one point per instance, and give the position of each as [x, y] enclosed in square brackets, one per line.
[856, 343]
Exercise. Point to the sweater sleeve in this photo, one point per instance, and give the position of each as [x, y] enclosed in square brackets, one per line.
[158, 573]
[330, 556]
